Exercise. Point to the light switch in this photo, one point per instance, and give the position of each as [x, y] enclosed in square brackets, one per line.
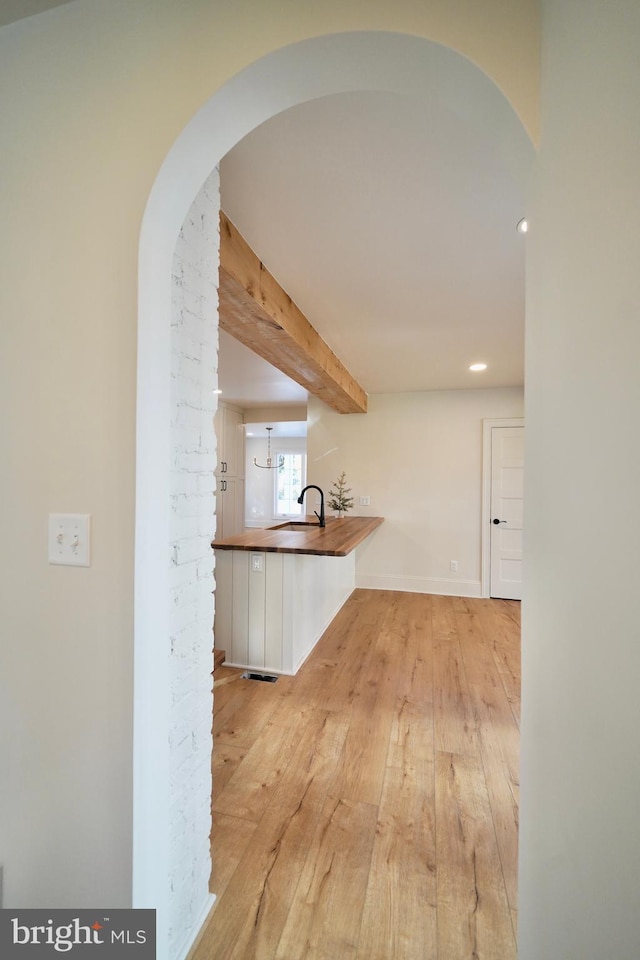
[69, 539]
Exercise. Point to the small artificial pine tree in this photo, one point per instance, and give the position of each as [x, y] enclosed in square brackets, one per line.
[339, 498]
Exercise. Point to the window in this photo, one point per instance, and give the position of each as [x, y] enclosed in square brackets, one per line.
[289, 482]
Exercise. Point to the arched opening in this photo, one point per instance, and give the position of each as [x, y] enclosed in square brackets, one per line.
[304, 71]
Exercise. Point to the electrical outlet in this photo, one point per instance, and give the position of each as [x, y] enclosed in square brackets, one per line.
[257, 562]
[453, 566]
[365, 501]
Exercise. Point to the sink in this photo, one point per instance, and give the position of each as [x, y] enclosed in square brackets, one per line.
[301, 526]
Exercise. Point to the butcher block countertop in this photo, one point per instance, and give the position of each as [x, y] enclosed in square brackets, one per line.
[337, 539]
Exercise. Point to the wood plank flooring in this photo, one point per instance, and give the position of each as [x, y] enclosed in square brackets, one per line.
[367, 809]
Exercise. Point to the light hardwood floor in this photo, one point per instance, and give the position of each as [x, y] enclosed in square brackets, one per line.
[368, 808]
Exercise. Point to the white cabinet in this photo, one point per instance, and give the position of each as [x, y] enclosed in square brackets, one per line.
[272, 608]
[229, 427]
[229, 506]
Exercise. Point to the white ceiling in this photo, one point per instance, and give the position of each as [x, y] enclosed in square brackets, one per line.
[249, 381]
[391, 222]
[280, 428]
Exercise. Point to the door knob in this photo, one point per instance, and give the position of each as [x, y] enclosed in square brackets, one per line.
[499, 521]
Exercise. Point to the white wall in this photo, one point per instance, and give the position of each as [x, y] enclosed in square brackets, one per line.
[259, 484]
[580, 842]
[419, 457]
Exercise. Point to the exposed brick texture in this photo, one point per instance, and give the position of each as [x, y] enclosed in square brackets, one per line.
[194, 346]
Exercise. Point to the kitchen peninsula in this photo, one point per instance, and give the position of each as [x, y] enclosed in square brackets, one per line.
[279, 588]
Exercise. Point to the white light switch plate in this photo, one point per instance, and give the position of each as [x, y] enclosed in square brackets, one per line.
[69, 539]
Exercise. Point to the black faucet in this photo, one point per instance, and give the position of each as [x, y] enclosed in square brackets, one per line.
[320, 515]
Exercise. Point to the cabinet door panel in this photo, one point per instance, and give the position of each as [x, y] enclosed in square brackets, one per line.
[218, 426]
[229, 428]
[233, 442]
[229, 506]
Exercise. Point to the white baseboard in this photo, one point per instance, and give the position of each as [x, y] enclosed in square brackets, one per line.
[192, 936]
[439, 585]
[254, 669]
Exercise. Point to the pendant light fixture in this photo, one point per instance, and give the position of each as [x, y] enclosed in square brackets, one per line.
[268, 465]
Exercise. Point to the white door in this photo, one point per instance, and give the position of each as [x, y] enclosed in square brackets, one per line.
[507, 480]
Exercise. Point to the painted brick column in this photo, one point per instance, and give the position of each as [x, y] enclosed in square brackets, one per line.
[194, 346]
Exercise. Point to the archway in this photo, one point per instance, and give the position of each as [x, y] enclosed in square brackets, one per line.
[304, 71]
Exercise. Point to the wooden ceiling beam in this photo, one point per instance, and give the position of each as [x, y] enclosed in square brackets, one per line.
[259, 313]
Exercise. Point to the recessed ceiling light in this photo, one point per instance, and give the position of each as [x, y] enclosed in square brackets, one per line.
[522, 226]
[476, 367]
